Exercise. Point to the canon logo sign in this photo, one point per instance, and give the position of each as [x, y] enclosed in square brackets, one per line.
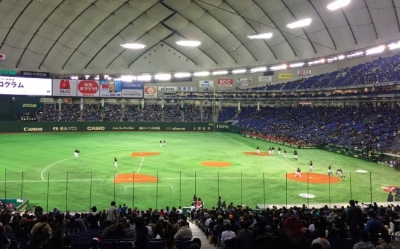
[225, 82]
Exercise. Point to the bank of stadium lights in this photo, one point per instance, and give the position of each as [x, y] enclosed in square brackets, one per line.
[188, 43]
[146, 77]
[375, 50]
[97, 77]
[336, 58]
[87, 76]
[239, 71]
[258, 69]
[127, 78]
[260, 36]
[162, 76]
[74, 77]
[201, 74]
[355, 54]
[316, 62]
[297, 64]
[223, 72]
[299, 24]
[338, 4]
[392, 46]
[182, 75]
[278, 67]
[133, 46]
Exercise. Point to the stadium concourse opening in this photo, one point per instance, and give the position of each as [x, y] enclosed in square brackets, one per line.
[257, 154]
[130, 178]
[141, 154]
[216, 164]
[314, 178]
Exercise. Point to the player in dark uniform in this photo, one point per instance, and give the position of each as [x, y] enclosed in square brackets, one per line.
[160, 143]
[279, 150]
[284, 153]
[295, 154]
[298, 172]
[311, 166]
[329, 170]
[115, 162]
[340, 173]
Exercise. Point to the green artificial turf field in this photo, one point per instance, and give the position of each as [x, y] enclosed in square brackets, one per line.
[41, 167]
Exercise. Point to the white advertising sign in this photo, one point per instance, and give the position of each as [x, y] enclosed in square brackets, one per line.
[206, 83]
[150, 92]
[10, 85]
[64, 87]
[167, 88]
[265, 78]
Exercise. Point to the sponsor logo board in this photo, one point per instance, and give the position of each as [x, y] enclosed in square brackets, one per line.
[25, 86]
[132, 90]
[304, 72]
[167, 88]
[225, 82]
[206, 83]
[33, 129]
[110, 88]
[88, 88]
[265, 78]
[244, 81]
[283, 76]
[150, 92]
[96, 128]
[64, 87]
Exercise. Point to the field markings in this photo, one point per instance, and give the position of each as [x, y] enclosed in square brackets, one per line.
[245, 145]
[140, 165]
[170, 186]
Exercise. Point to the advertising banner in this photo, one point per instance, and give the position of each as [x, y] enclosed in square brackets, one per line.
[225, 82]
[150, 92]
[88, 88]
[34, 74]
[25, 86]
[283, 76]
[265, 78]
[64, 87]
[187, 88]
[132, 90]
[167, 88]
[304, 72]
[206, 83]
[244, 81]
[110, 88]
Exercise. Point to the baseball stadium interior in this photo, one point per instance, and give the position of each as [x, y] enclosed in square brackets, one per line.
[303, 84]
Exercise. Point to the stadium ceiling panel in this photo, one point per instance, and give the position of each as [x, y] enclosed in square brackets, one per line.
[85, 36]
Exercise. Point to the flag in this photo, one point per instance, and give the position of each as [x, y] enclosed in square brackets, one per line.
[2, 56]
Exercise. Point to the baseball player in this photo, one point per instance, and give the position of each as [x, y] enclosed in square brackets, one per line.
[279, 150]
[311, 166]
[115, 162]
[298, 173]
[258, 150]
[329, 170]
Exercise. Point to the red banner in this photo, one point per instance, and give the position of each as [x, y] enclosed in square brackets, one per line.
[225, 82]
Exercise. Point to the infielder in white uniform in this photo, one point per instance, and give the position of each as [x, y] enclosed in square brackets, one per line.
[298, 173]
[115, 162]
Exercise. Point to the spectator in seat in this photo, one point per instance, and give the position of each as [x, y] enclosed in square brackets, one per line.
[364, 243]
[322, 240]
[169, 244]
[226, 235]
[196, 244]
[112, 212]
[292, 237]
[245, 234]
[41, 231]
[129, 230]
[93, 218]
[373, 227]
[158, 232]
[58, 232]
[184, 231]
[142, 238]
[384, 242]
[170, 231]
[94, 243]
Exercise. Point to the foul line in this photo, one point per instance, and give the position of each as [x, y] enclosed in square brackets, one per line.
[140, 165]
[170, 186]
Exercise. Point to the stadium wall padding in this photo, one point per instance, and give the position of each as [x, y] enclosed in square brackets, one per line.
[33, 127]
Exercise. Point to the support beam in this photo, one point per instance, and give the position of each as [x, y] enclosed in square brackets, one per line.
[322, 20]
[395, 12]
[372, 21]
[345, 17]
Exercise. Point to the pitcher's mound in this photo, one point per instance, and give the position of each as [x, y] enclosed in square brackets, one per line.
[314, 178]
[216, 164]
[145, 153]
[257, 154]
[129, 178]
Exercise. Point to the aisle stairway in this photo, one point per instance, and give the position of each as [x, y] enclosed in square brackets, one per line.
[197, 233]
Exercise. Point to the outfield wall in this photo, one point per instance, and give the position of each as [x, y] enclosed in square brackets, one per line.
[115, 126]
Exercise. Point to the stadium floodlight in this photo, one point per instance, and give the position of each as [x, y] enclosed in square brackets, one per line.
[392, 46]
[74, 77]
[338, 4]
[188, 43]
[223, 72]
[375, 50]
[355, 54]
[299, 24]
[127, 78]
[316, 62]
[336, 58]
[297, 64]
[133, 45]
[200, 74]
[258, 69]
[145, 77]
[182, 75]
[162, 76]
[87, 76]
[260, 36]
[97, 77]
[278, 67]
[239, 71]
